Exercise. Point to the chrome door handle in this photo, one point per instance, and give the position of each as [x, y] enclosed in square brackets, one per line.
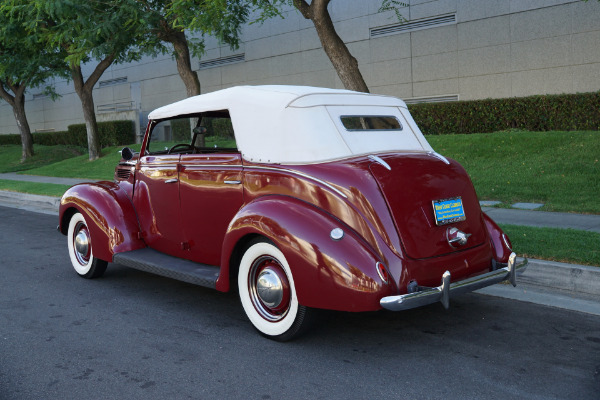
[233, 182]
[171, 180]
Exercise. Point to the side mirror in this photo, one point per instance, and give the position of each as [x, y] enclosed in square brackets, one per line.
[127, 153]
[199, 130]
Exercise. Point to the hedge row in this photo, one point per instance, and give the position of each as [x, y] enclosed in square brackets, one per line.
[111, 133]
[565, 112]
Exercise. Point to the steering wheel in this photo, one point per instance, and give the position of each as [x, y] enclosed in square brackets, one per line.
[182, 145]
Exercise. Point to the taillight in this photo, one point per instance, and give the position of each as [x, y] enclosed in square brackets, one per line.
[383, 274]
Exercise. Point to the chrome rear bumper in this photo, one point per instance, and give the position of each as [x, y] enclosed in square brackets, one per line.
[442, 293]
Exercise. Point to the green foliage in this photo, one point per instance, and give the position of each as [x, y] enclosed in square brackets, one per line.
[536, 113]
[10, 156]
[393, 5]
[79, 30]
[111, 133]
[564, 245]
[558, 169]
[24, 57]
[44, 189]
[10, 139]
[181, 130]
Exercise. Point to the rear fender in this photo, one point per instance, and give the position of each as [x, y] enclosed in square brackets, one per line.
[110, 216]
[330, 274]
[502, 245]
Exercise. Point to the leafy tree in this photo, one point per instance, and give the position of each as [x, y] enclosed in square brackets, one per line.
[168, 21]
[343, 61]
[98, 31]
[24, 63]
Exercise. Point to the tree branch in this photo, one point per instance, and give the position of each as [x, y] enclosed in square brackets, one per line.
[99, 70]
[304, 8]
[10, 99]
[320, 6]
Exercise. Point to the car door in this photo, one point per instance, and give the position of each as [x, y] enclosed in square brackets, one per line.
[211, 193]
[156, 199]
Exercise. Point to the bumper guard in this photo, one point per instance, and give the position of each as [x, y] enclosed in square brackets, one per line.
[442, 293]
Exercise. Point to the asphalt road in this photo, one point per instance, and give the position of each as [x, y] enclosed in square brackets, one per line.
[132, 335]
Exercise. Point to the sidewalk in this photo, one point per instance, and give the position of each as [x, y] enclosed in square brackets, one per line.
[13, 176]
[34, 202]
[568, 286]
[584, 222]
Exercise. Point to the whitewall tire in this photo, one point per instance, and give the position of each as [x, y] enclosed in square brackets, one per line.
[80, 249]
[268, 295]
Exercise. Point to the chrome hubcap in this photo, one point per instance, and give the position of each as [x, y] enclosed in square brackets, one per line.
[82, 245]
[269, 288]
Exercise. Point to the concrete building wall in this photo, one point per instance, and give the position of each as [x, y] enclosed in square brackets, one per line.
[481, 49]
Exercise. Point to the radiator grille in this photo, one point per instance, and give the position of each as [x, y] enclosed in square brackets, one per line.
[123, 173]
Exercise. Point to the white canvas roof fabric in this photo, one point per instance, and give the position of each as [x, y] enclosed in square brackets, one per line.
[299, 124]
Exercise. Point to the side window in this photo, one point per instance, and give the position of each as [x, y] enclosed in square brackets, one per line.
[167, 134]
[371, 123]
[219, 135]
[210, 132]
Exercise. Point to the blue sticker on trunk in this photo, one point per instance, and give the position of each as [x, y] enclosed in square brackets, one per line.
[447, 211]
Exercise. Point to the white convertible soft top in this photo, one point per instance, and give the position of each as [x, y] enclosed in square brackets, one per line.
[301, 124]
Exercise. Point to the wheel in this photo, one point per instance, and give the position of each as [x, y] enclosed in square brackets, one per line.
[268, 294]
[80, 249]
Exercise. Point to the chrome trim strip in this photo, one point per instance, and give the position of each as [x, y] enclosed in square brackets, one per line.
[302, 174]
[222, 166]
[378, 160]
[438, 156]
[171, 180]
[233, 182]
[443, 292]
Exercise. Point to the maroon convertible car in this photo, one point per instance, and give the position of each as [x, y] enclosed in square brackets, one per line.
[300, 198]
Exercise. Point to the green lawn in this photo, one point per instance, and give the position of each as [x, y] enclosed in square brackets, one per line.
[565, 245]
[559, 169]
[10, 156]
[46, 189]
[81, 167]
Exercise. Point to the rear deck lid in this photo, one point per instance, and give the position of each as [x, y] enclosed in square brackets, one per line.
[427, 196]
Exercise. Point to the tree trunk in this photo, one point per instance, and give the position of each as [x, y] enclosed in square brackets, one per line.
[84, 91]
[24, 130]
[184, 63]
[344, 63]
[188, 76]
[17, 103]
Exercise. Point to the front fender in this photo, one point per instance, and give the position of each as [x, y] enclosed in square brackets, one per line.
[110, 216]
[329, 274]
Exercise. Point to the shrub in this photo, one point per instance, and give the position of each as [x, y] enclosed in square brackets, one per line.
[181, 130]
[111, 133]
[564, 112]
[10, 139]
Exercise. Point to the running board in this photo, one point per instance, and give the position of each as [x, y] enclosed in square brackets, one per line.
[158, 263]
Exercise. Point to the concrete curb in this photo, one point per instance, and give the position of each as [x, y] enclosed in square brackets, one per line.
[569, 277]
[30, 202]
